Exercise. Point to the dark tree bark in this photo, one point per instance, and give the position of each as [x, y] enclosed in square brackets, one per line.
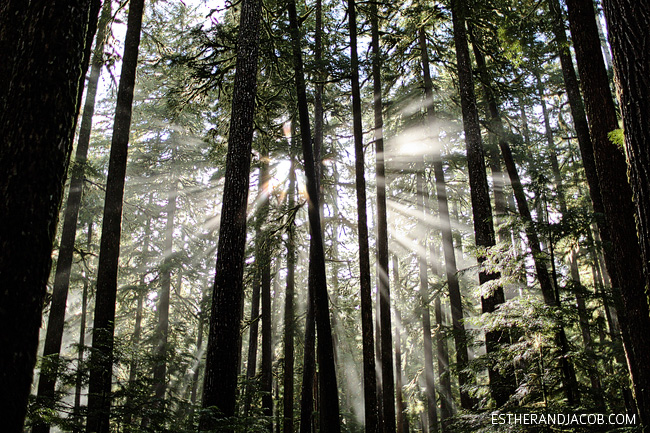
[222, 365]
[577, 107]
[388, 388]
[318, 95]
[45, 48]
[99, 386]
[56, 318]
[623, 254]
[329, 402]
[481, 208]
[289, 313]
[367, 339]
[628, 23]
[309, 356]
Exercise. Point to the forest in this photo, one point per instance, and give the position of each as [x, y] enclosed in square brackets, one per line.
[319, 216]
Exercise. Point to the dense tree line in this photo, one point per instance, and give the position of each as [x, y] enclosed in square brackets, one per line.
[322, 216]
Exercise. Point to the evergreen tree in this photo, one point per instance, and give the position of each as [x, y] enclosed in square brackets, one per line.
[46, 50]
[222, 362]
[99, 390]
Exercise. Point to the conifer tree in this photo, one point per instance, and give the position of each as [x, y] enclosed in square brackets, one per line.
[329, 414]
[56, 318]
[369, 378]
[45, 57]
[623, 256]
[99, 387]
[222, 362]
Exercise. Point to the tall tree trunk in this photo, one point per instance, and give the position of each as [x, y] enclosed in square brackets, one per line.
[222, 366]
[388, 388]
[481, 208]
[264, 268]
[318, 95]
[430, 390]
[56, 319]
[628, 23]
[309, 356]
[289, 313]
[99, 386]
[329, 402]
[624, 255]
[367, 338]
[45, 49]
[253, 332]
[448, 248]
[577, 107]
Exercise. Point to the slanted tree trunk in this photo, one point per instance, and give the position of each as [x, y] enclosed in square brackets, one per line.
[329, 402]
[577, 107]
[56, 318]
[628, 23]
[367, 338]
[623, 256]
[222, 366]
[388, 388]
[481, 208]
[45, 50]
[101, 372]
